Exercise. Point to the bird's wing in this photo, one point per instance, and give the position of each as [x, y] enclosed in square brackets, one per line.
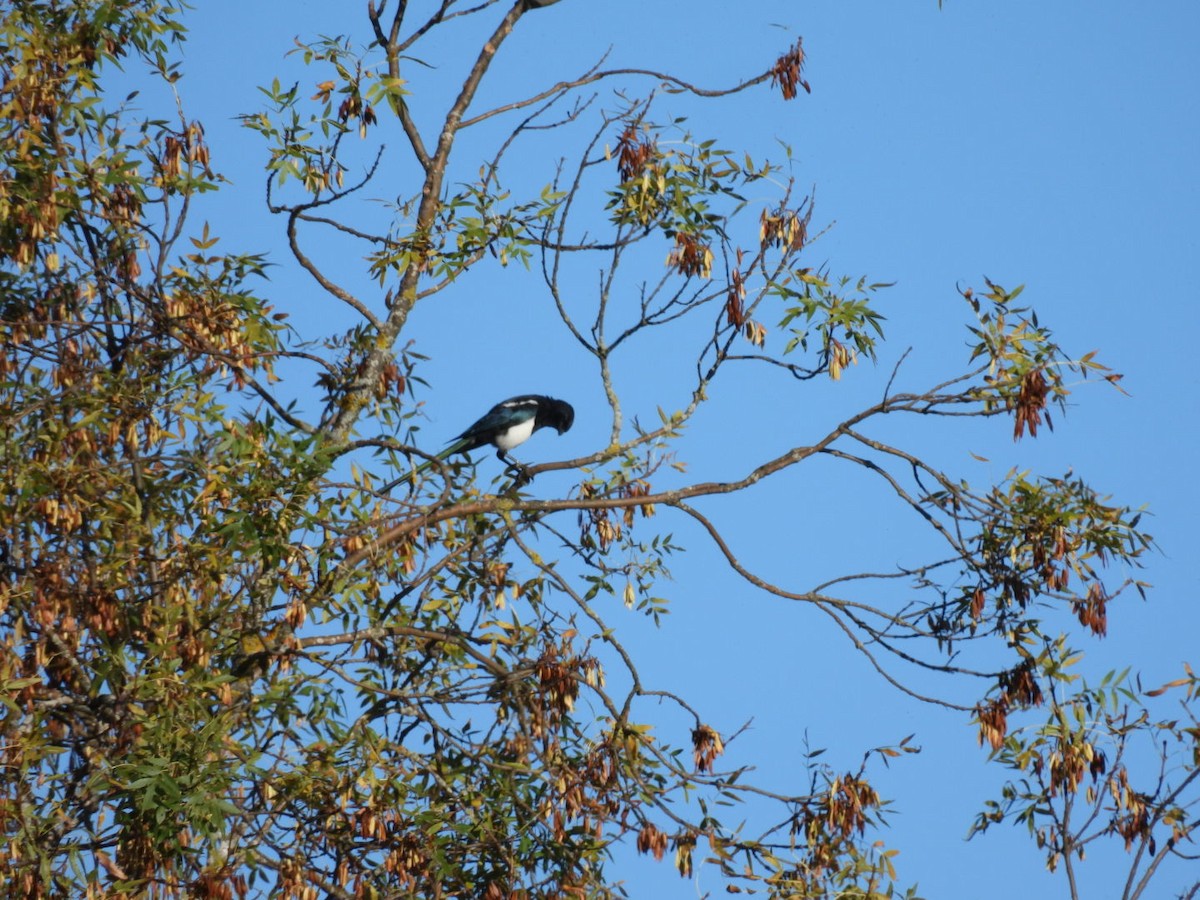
[499, 418]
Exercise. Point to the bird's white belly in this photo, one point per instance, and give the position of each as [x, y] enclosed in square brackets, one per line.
[517, 434]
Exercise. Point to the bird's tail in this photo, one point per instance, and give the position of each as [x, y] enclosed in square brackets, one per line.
[409, 476]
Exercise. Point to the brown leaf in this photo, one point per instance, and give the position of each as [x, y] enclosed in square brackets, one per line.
[787, 72]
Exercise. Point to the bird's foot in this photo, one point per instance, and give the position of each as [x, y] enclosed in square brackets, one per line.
[520, 474]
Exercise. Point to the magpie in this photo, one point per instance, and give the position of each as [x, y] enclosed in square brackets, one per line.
[506, 425]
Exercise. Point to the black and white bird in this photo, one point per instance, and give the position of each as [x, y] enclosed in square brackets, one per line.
[506, 425]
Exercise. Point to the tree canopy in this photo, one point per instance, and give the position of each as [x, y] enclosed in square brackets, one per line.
[233, 666]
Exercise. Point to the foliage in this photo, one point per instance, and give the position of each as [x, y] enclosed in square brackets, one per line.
[1101, 766]
[230, 666]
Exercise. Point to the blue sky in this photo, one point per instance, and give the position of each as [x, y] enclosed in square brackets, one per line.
[1054, 145]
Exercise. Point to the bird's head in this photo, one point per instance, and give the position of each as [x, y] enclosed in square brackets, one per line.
[558, 414]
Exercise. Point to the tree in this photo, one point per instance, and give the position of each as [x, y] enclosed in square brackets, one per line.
[232, 666]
